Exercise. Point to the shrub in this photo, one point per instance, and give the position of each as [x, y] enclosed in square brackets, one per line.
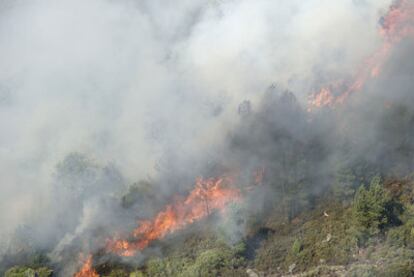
[398, 236]
[296, 247]
[362, 270]
[156, 267]
[22, 271]
[216, 262]
[372, 209]
[137, 274]
[398, 269]
[141, 191]
[207, 263]
[118, 273]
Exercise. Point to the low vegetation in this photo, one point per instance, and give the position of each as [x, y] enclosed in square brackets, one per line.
[369, 232]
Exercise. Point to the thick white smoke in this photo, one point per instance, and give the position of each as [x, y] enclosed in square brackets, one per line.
[149, 86]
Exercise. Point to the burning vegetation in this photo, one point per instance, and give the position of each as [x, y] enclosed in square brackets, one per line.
[396, 25]
[311, 191]
[87, 269]
[209, 195]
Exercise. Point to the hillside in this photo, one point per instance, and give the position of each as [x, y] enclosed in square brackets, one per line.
[367, 233]
[198, 138]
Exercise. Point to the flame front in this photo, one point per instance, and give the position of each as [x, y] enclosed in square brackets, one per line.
[396, 25]
[209, 195]
[87, 270]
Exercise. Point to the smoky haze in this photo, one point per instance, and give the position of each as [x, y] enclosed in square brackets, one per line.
[95, 95]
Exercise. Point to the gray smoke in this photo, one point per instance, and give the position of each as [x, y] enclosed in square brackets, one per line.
[95, 95]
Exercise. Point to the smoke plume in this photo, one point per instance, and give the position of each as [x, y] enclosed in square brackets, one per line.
[96, 95]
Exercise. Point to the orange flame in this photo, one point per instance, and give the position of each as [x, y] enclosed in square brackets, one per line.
[87, 270]
[209, 195]
[397, 24]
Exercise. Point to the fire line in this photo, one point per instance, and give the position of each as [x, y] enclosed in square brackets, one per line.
[396, 25]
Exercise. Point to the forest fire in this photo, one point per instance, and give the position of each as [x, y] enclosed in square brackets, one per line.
[207, 138]
[396, 25]
[87, 270]
[209, 195]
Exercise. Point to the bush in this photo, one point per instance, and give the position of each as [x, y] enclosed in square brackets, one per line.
[296, 247]
[362, 270]
[272, 252]
[216, 262]
[118, 273]
[207, 263]
[137, 274]
[156, 267]
[139, 192]
[372, 208]
[398, 236]
[22, 271]
[399, 269]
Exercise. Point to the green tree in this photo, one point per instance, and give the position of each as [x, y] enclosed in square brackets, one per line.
[373, 208]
